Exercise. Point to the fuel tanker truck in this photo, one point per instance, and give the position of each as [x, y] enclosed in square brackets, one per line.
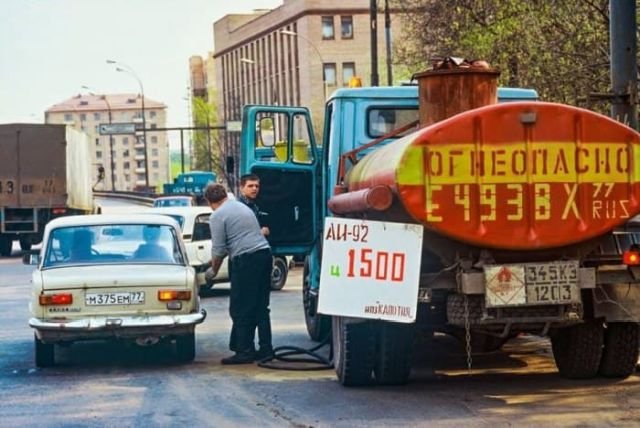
[523, 212]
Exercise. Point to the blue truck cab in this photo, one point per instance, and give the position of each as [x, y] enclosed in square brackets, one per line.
[192, 182]
[298, 174]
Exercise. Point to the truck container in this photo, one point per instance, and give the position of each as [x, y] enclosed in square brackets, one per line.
[45, 172]
[526, 208]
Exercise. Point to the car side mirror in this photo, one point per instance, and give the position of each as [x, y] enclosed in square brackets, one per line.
[32, 259]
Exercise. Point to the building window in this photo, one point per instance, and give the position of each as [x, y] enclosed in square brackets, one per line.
[96, 116]
[329, 73]
[346, 27]
[155, 164]
[348, 71]
[83, 117]
[154, 139]
[154, 152]
[327, 28]
[153, 126]
[98, 155]
[68, 117]
[97, 141]
[127, 178]
[125, 153]
[152, 114]
[125, 141]
[126, 166]
[139, 164]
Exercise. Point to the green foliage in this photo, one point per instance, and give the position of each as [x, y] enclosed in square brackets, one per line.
[207, 148]
[558, 47]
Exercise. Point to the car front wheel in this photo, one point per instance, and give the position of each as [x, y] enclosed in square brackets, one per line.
[279, 273]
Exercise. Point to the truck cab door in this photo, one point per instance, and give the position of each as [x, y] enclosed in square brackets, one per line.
[278, 145]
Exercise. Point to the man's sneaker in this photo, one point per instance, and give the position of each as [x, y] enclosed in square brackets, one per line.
[241, 358]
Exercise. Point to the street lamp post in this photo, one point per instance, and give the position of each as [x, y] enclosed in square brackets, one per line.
[106, 100]
[315, 48]
[127, 69]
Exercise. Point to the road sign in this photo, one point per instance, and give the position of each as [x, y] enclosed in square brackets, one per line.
[117, 128]
[234, 126]
[370, 269]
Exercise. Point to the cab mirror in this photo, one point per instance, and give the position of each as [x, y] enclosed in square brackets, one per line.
[267, 133]
[32, 259]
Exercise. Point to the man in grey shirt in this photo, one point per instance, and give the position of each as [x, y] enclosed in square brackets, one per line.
[235, 232]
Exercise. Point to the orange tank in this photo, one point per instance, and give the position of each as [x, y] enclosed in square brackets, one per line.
[518, 176]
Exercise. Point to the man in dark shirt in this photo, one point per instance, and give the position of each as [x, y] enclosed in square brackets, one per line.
[235, 232]
[249, 190]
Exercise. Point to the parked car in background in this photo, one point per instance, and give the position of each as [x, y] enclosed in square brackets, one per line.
[196, 234]
[194, 222]
[174, 201]
[113, 277]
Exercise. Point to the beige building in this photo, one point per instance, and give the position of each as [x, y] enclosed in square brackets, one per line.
[296, 54]
[121, 155]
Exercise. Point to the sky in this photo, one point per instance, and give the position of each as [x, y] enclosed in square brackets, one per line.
[49, 49]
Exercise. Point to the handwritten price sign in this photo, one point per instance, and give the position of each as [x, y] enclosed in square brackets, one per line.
[370, 269]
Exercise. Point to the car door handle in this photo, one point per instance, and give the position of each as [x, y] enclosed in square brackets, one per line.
[200, 247]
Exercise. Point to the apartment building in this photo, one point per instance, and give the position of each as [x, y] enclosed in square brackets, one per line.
[123, 155]
[296, 54]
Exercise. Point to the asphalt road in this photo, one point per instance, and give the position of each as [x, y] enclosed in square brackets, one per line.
[99, 384]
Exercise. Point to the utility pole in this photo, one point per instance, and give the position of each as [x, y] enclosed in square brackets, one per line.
[373, 8]
[387, 37]
[623, 46]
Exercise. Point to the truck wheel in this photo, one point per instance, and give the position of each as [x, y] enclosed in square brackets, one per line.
[279, 273]
[620, 354]
[353, 351]
[577, 350]
[186, 347]
[25, 243]
[318, 326]
[456, 313]
[5, 246]
[393, 353]
[45, 353]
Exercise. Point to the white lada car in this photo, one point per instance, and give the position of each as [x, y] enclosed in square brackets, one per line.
[196, 234]
[113, 277]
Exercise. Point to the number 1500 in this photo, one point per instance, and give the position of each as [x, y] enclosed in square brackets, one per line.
[380, 265]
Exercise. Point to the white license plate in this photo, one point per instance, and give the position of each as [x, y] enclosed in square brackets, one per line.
[123, 298]
[532, 284]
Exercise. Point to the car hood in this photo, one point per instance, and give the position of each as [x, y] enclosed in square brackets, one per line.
[115, 276]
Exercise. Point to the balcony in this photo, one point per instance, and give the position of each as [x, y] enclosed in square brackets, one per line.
[139, 170]
[138, 157]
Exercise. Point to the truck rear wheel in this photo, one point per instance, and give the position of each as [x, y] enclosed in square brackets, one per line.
[393, 353]
[353, 351]
[620, 354]
[318, 326]
[577, 350]
[5, 246]
[44, 353]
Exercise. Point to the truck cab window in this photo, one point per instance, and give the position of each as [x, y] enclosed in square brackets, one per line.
[271, 143]
[382, 120]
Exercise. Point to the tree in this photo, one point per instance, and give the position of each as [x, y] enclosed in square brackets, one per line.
[560, 48]
[208, 153]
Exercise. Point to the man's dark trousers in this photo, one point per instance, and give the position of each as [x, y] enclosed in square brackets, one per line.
[250, 275]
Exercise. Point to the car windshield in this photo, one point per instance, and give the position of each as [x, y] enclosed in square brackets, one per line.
[109, 244]
[172, 202]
